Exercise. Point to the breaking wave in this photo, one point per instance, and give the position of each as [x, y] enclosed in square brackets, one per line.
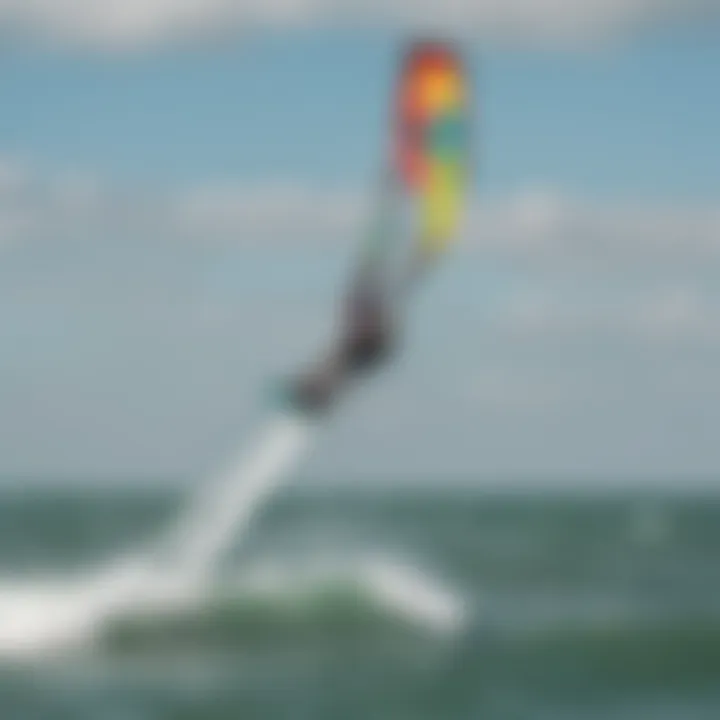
[371, 598]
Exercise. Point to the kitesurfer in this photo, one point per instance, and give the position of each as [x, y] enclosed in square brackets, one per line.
[367, 341]
[427, 173]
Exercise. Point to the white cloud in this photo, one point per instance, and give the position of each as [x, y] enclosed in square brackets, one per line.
[38, 207]
[138, 23]
[672, 314]
[509, 391]
[575, 267]
[540, 229]
[544, 226]
[271, 213]
[679, 313]
[144, 312]
[13, 177]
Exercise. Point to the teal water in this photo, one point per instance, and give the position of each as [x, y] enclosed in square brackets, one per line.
[577, 607]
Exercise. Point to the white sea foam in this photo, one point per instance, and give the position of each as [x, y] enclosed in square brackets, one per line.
[223, 510]
[47, 618]
[55, 614]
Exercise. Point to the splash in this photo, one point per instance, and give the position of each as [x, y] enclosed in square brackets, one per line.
[45, 620]
[372, 598]
[222, 512]
[60, 615]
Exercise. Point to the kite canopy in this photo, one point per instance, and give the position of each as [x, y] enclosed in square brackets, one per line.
[431, 138]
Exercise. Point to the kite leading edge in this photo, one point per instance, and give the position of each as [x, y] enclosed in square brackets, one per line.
[425, 182]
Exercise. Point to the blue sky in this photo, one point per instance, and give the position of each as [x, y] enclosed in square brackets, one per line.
[640, 118]
[176, 221]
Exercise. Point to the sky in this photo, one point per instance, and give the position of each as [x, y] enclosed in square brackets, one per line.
[182, 185]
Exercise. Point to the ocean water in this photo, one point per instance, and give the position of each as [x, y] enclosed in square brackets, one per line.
[442, 604]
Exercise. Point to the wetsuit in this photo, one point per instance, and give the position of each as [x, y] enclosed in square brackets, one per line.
[368, 337]
[366, 342]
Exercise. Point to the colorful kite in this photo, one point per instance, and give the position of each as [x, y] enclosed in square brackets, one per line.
[431, 139]
[429, 166]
